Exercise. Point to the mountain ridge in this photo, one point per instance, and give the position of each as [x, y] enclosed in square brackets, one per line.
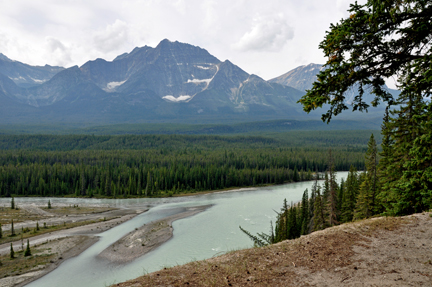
[173, 81]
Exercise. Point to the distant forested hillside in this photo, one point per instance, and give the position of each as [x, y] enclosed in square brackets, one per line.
[165, 165]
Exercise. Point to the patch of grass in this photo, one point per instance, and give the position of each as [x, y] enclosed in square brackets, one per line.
[21, 264]
[384, 223]
[18, 215]
[42, 230]
[77, 210]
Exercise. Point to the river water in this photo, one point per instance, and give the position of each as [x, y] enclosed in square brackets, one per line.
[205, 235]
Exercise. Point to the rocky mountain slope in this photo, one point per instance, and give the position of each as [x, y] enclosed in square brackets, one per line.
[173, 81]
[300, 78]
[303, 77]
[24, 75]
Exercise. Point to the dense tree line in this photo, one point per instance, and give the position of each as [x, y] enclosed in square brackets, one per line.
[330, 204]
[352, 140]
[158, 172]
[362, 195]
[362, 52]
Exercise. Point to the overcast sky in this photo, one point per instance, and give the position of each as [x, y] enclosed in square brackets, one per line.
[263, 37]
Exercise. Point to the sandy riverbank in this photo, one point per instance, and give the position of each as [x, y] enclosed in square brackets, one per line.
[61, 245]
[146, 238]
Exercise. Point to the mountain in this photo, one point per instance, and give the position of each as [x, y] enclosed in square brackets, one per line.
[303, 77]
[25, 75]
[172, 82]
[300, 78]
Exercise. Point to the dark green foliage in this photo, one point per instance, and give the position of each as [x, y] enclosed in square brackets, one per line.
[13, 203]
[12, 228]
[304, 217]
[319, 221]
[197, 164]
[366, 199]
[350, 195]
[259, 241]
[331, 191]
[27, 252]
[362, 51]
[49, 204]
[12, 253]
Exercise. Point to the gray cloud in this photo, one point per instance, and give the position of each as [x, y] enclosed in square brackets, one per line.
[58, 51]
[269, 33]
[112, 38]
[250, 33]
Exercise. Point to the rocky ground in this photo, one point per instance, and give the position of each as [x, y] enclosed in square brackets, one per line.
[385, 251]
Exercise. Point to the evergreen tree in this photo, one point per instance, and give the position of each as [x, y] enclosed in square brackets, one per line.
[13, 203]
[361, 53]
[366, 200]
[305, 213]
[108, 186]
[350, 195]
[27, 251]
[12, 253]
[319, 221]
[49, 204]
[12, 229]
[340, 196]
[332, 192]
[363, 203]
[83, 183]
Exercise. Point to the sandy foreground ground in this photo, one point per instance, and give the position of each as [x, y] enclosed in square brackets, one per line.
[385, 251]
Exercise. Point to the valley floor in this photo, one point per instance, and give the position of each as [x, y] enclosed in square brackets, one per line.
[385, 251]
[52, 247]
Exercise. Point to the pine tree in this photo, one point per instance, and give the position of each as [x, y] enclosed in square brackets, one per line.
[363, 203]
[13, 203]
[319, 221]
[304, 213]
[366, 199]
[340, 196]
[332, 192]
[27, 251]
[12, 229]
[350, 195]
[12, 253]
[49, 204]
[82, 183]
[372, 171]
[108, 186]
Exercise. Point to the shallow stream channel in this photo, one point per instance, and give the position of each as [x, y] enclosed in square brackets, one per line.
[207, 234]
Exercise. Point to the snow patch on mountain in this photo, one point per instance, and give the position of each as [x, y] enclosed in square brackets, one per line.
[197, 81]
[202, 67]
[38, 81]
[181, 98]
[113, 85]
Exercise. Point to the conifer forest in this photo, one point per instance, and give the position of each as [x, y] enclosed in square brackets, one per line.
[152, 166]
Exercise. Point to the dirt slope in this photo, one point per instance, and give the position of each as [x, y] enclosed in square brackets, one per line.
[374, 252]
